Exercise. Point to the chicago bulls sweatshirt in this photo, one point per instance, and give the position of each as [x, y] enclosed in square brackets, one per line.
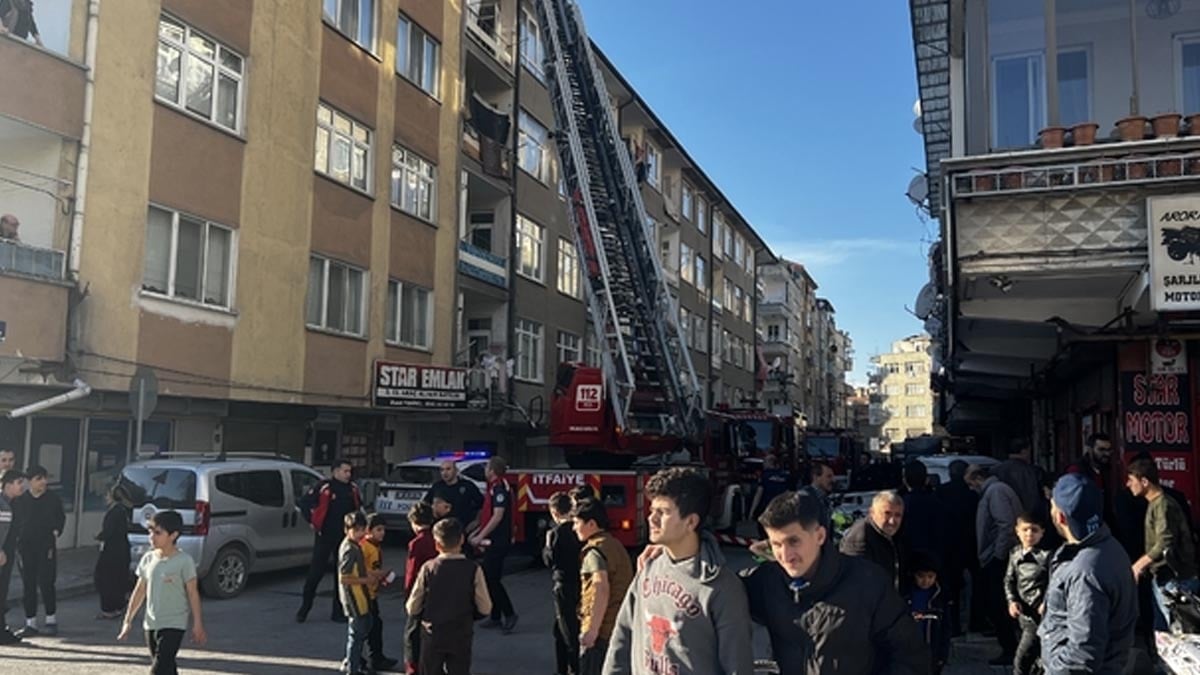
[683, 617]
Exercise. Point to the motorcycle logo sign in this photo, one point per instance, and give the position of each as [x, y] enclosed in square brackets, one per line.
[1174, 239]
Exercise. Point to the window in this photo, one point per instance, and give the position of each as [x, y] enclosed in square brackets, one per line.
[699, 333]
[893, 368]
[336, 296]
[718, 229]
[593, 349]
[188, 258]
[198, 75]
[749, 263]
[669, 262]
[414, 184]
[302, 481]
[727, 346]
[747, 309]
[1188, 57]
[686, 201]
[685, 262]
[354, 18]
[739, 302]
[727, 294]
[409, 315]
[1018, 100]
[529, 351]
[915, 411]
[418, 56]
[739, 251]
[653, 166]
[529, 245]
[914, 389]
[568, 268]
[701, 276]
[701, 214]
[264, 488]
[569, 347]
[532, 53]
[1074, 90]
[729, 235]
[343, 148]
[533, 155]
[892, 390]
[774, 332]
[685, 326]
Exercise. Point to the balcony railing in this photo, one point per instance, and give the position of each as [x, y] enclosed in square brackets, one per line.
[483, 24]
[1128, 170]
[33, 261]
[482, 265]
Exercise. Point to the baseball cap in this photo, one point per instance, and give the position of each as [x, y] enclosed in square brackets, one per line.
[1078, 498]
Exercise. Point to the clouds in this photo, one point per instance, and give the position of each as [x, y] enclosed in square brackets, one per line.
[816, 255]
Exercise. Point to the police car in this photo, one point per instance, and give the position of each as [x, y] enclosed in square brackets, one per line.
[409, 481]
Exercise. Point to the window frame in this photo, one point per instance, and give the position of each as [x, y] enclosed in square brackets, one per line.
[563, 345]
[529, 21]
[364, 299]
[523, 137]
[353, 36]
[525, 330]
[701, 214]
[173, 256]
[570, 275]
[538, 273]
[404, 64]
[397, 311]
[333, 136]
[399, 182]
[1181, 41]
[1035, 119]
[653, 166]
[687, 201]
[686, 269]
[186, 55]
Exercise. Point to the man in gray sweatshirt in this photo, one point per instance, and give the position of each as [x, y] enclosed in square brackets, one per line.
[685, 613]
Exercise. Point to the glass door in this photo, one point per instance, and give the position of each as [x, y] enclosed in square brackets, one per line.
[54, 445]
[107, 451]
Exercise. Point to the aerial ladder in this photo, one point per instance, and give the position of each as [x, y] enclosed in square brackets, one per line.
[647, 370]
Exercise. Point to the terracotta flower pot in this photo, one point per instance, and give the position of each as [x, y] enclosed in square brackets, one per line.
[1193, 123]
[1192, 166]
[1132, 128]
[1085, 133]
[986, 183]
[1168, 166]
[1166, 125]
[1052, 137]
[1137, 170]
[1012, 180]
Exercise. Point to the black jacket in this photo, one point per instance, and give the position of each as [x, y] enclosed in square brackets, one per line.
[960, 502]
[862, 540]
[39, 518]
[933, 621]
[925, 524]
[847, 619]
[1026, 580]
[561, 555]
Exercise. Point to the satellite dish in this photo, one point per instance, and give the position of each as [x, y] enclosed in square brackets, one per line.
[917, 108]
[926, 300]
[918, 126]
[933, 326]
[918, 189]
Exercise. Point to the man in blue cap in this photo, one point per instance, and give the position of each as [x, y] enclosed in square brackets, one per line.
[1091, 604]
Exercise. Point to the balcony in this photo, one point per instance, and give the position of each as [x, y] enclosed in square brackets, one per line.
[483, 265]
[40, 87]
[31, 261]
[33, 302]
[487, 31]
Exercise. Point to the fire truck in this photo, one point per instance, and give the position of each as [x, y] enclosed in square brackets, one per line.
[641, 408]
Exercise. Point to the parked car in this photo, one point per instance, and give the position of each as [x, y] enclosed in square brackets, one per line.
[939, 465]
[240, 513]
[409, 481]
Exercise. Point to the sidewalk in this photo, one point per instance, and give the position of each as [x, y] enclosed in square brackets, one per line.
[74, 575]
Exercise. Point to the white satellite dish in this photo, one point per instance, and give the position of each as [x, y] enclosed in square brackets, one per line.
[926, 300]
[918, 126]
[917, 108]
[918, 189]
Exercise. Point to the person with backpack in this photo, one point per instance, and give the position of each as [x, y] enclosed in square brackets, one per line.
[324, 507]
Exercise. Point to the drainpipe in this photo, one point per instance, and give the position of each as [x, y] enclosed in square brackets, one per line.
[85, 143]
[81, 390]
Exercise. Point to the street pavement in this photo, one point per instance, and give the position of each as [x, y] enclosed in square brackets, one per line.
[255, 633]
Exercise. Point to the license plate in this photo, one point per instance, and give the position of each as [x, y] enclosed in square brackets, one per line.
[386, 505]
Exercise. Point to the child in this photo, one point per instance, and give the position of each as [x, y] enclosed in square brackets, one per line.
[561, 555]
[448, 625]
[1025, 585]
[421, 549]
[928, 607]
[441, 509]
[354, 579]
[167, 584]
[372, 548]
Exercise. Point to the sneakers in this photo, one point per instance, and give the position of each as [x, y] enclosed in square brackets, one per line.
[50, 629]
[7, 637]
[28, 631]
[508, 624]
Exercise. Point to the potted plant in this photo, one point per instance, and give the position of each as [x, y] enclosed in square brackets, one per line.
[1132, 128]
[1052, 137]
[1193, 123]
[1168, 165]
[1137, 168]
[1166, 125]
[1084, 133]
[985, 182]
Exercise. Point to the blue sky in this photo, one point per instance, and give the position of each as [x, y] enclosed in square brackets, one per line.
[802, 113]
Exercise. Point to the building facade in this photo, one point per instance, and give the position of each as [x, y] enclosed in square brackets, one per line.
[904, 394]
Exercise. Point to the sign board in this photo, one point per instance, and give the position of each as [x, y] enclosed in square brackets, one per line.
[1173, 234]
[143, 393]
[1156, 413]
[589, 398]
[402, 385]
[1168, 356]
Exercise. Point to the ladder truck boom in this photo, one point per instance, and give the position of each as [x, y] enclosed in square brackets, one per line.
[648, 377]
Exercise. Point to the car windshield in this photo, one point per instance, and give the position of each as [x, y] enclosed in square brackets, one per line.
[165, 488]
[415, 475]
[756, 435]
[822, 446]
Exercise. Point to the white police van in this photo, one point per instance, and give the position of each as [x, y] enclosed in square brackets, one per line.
[409, 481]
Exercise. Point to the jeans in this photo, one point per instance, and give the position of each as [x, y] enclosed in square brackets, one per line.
[357, 629]
[164, 647]
[566, 629]
[1162, 606]
[39, 570]
[997, 605]
[1029, 649]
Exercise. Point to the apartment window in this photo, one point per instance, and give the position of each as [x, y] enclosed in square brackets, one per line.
[774, 332]
[1074, 87]
[530, 239]
[685, 262]
[532, 52]
[686, 202]
[418, 56]
[409, 315]
[727, 294]
[188, 258]
[653, 166]
[718, 222]
[699, 333]
[1188, 60]
[1018, 100]
[747, 309]
[685, 326]
[739, 251]
[748, 348]
[354, 18]
[529, 351]
[701, 214]
[916, 411]
[893, 368]
[701, 276]
[533, 154]
[893, 390]
[568, 268]
[668, 260]
[414, 184]
[569, 347]
[729, 235]
[343, 148]
[593, 350]
[727, 344]
[336, 296]
[739, 302]
[914, 389]
[198, 74]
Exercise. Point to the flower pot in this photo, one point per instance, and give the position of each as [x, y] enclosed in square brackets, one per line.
[1011, 180]
[1136, 170]
[985, 183]
[1168, 166]
[1061, 177]
[1193, 124]
[1052, 137]
[1192, 166]
[1166, 125]
[1132, 128]
[1084, 134]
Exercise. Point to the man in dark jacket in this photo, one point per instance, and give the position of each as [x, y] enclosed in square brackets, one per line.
[960, 502]
[874, 537]
[925, 518]
[827, 613]
[1091, 604]
[561, 556]
[1024, 478]
[995, 536]
[42, 519]
[462, 495]
[325, 506]
[12, 484]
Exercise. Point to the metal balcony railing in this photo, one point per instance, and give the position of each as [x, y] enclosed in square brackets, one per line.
[1127, 170]
[484, 25]
[43, 263]
[482, 265]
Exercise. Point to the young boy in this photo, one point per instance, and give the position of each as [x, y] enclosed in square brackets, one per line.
[1025, 585]
[928, 607]
[605, 573]
[457, 584]
[421, 549]
[561, 556]
[372, 548]
[441, 509]
[167, 584]
[354, 580]
[42, 520]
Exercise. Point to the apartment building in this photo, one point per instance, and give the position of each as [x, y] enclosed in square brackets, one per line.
[903, 387]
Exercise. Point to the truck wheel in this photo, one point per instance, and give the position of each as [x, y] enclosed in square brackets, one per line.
[228, 575]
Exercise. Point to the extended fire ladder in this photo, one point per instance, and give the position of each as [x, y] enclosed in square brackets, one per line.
[648, 371]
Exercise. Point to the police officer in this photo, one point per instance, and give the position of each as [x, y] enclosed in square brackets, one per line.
[324, 506]
[464, 498]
